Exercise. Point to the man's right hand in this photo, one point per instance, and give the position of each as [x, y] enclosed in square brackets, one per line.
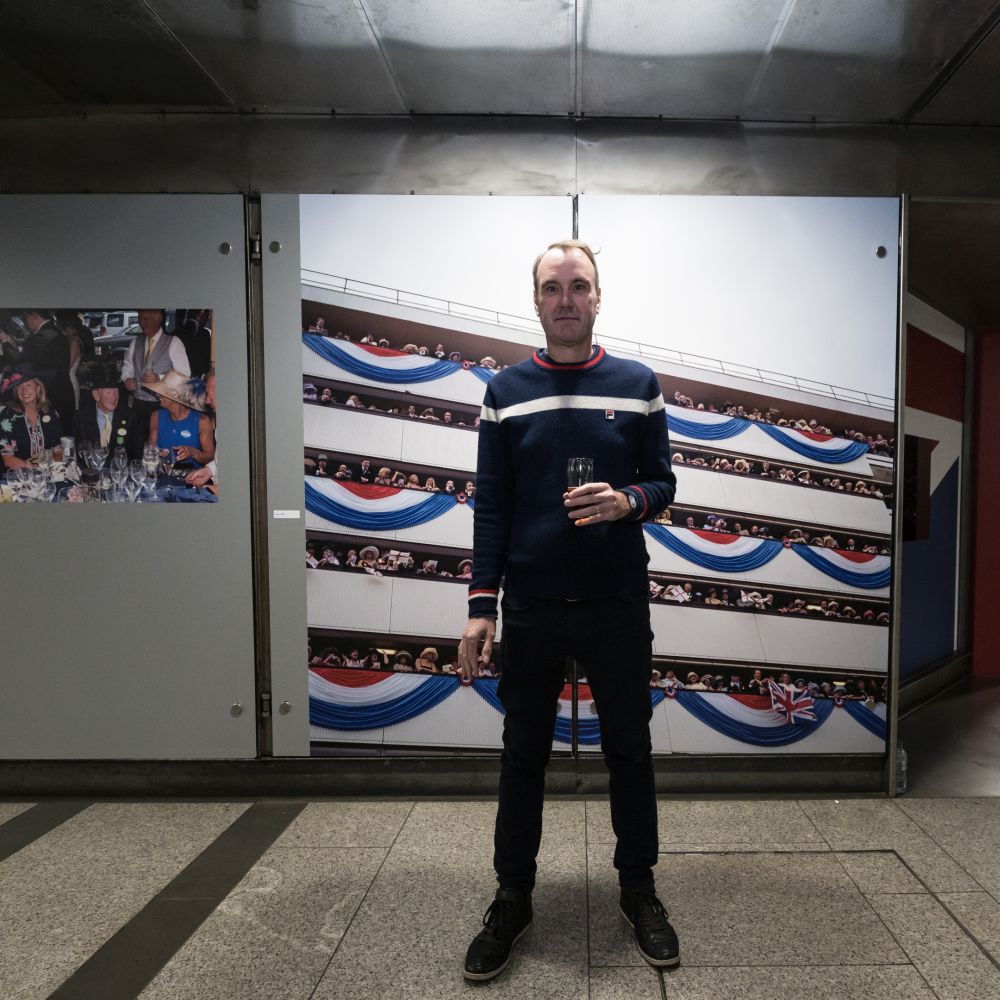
[131, 384]
[476, 630]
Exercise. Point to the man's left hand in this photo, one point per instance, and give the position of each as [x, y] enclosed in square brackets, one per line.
[593, 503]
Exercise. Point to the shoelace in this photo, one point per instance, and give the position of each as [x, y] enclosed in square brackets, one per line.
[497, 915]
[658, 912]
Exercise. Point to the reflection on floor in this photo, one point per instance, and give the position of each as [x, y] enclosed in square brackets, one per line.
[782, 899]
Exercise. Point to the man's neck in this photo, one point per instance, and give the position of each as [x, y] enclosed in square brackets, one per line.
[569, 355]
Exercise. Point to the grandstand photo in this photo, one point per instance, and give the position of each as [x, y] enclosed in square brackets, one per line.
[769, 577]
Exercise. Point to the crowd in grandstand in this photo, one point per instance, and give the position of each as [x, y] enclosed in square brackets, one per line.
[775, 470]
[368, 558]
[787, 536]
[425, 661]
[369, 471]
[877, 443]
[439, 352]
[357, 655]
[747, 681]
[783, 602]
[324, 396]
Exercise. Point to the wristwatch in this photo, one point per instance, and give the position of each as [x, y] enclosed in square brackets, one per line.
[632, 502]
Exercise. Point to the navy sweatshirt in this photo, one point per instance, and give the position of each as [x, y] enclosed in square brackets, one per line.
[536, 415]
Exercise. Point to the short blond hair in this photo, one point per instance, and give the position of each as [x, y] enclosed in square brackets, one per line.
[566, 245]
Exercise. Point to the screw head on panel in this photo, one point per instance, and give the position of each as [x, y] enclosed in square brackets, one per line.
[880, 251]
[235, 709]
[274, 246]
[285, 707]
[225, 248]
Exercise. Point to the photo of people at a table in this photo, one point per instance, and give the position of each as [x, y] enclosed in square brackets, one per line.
[107, 406]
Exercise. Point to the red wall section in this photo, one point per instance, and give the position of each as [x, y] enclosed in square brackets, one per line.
[985, 542]
[935, 375]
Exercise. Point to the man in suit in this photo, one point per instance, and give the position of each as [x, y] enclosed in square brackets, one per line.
[47, 348]
[109, 421]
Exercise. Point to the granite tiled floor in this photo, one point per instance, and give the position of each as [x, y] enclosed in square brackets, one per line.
[773, 900]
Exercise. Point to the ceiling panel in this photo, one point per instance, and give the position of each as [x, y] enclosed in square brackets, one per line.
[972, 95]
[103, 52]
[861, 60]
[18, 88]
[677, 59]
[313, 56]
[488, 57]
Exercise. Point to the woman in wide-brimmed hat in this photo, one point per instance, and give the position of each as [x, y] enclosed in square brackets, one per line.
[427, 661]
[28, 424]
[181, 422]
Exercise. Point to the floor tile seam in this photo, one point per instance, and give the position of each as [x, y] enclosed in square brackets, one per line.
[687, 964]
[968, 933]
[812, 823]
[361, 903]
[944, 850]
[889, 930]
[586, 883]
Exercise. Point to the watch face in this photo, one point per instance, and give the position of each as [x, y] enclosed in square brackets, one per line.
[632, 502]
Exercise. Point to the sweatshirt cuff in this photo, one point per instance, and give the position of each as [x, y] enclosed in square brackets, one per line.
[640, 508]
[482, 603]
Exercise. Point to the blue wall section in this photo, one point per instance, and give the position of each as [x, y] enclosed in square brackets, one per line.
[927, 629]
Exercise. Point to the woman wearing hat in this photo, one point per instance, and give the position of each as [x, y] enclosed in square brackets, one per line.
[181, 422]
[427, 662]
[28, 424]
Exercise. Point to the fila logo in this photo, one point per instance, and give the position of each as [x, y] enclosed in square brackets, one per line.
[609, 414]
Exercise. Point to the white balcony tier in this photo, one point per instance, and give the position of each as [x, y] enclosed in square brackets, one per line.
[760, 500]
[361, 602]
[394, 439]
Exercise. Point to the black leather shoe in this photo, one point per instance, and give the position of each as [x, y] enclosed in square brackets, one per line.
[654, 937]
[508, 917]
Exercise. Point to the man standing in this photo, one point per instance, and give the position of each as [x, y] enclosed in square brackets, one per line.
[572, 564]
[152, 354]
[47, 348]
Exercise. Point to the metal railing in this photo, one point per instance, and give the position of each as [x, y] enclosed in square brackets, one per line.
[525, 324]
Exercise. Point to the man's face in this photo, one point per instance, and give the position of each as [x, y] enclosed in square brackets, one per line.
[150, 320]
[566, 299]
[106, 399]
[32, 320]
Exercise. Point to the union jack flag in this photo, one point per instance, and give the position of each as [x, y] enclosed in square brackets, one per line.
[795, 706]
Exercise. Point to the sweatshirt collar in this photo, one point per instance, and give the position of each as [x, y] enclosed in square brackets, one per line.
[542, 359]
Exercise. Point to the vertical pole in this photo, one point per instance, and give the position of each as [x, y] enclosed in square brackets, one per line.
[258, 479]
[892, 717]
[575, 739]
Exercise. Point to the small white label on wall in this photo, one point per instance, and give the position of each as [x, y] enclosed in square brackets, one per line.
[280, 515]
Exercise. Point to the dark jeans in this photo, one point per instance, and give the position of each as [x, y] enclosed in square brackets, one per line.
[612, 643]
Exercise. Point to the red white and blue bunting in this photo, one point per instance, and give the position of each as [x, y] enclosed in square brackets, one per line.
[715, 550]
[700, 425]
[861, 570]
[720, 552]
[366, 507]
[355, 700]
[384, 364]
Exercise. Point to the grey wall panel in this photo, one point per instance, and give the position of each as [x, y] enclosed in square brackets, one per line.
[283, 413]
[128, 630]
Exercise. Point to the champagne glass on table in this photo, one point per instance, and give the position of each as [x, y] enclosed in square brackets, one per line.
[119, 472]
[119, 458]
[46, 460]
[167, 461]
[137, 473]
